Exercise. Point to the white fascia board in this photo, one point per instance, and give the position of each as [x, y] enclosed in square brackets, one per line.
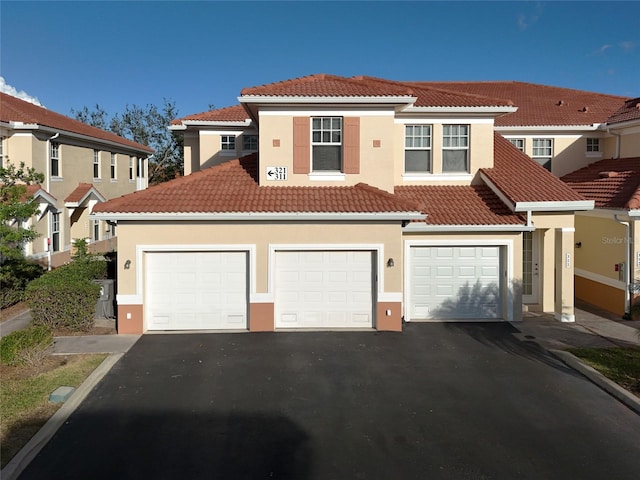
[609, 213]
[216, 123]
[534, 129]
[79, 136]
[46, 196]
[92, 192]
[554, 206]
[634, 213]
[262, 216]
[264, 100]
[421, 227]
[483, 110]
[621, 125]
[177, 128]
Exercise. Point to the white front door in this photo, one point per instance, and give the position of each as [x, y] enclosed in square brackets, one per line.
[455, 283]
[195, 290]
[531, 267]
[323, 289]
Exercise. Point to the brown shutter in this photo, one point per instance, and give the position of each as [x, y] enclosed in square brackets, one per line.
[351, 158]
[301, 145]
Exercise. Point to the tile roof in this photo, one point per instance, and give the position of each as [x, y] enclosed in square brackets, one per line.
[539, 105]
[236, 113]
[81, 192]
[35, 189]
[629, 111]
[521, 179]
[610, 183]
[232, 187]
[461, 205]
[334, 86]
[13, 109]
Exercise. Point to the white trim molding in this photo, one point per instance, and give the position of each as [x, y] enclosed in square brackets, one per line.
[598, 278]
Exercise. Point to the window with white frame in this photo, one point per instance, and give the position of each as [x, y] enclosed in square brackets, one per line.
[543, 151]
[518, 143]
[227, 142]
[2, 140]
[593, 145]
[417, 148]
[55, 232]
[132, 162]
[326, 144]
[96, 164]
[54, 155]
[250, 143]
[95, 234]
[455, 148]
[114, 167]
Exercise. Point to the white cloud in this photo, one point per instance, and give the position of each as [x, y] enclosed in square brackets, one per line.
[526, 21]
[22, 95]
[627, 46]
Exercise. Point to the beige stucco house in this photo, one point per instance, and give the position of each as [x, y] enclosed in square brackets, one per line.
[82, 166]
[332, 202]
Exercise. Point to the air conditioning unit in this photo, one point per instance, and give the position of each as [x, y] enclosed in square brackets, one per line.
[104, 307]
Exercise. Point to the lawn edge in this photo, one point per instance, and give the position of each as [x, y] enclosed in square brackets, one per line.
[19, 462]
[609, 386]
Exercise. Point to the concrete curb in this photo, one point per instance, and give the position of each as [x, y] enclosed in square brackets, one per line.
[596, 377]
[18, 463]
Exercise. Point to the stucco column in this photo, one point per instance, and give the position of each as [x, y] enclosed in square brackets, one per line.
[546, 261]
[564, 300]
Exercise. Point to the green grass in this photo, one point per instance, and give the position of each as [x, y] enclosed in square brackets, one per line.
[24, 398]
[622, 365]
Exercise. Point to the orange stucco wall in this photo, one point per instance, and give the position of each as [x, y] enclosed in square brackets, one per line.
[392, 323]
[135, 324]
[261, 317]
[602, 296]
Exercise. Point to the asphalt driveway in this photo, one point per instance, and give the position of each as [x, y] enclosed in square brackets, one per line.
[438, 401]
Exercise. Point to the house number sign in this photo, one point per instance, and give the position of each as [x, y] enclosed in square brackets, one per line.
[276, 173]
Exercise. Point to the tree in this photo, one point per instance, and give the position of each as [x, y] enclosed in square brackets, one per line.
[15, 208]
[146, 125]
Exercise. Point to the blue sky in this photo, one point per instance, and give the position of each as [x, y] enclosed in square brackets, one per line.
[197, 53]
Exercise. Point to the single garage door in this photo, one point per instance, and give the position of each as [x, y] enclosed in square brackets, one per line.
[455, 282]
[196, 290]
[323, 289]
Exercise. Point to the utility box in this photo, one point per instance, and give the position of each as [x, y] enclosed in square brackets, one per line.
[104, 307]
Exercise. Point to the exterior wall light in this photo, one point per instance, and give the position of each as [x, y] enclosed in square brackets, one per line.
[127, 265]
[390, 263]
[579, 244]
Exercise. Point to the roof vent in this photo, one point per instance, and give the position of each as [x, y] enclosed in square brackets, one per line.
[585, 109]
[637, 106]
[608, 174]
[561, 103]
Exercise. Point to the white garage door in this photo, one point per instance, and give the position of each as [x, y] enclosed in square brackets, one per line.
[196, 290]
[455, 282]
[323, 289]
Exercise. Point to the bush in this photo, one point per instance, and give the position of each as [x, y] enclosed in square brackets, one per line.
[15, 274]
[66, 298]
[29, 346]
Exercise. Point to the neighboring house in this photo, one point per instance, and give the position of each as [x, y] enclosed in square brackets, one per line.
[331, 202]
[82, 166]
[608, 238]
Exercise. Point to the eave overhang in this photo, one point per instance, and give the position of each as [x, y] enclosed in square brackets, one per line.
[422, 227]
[260, 216]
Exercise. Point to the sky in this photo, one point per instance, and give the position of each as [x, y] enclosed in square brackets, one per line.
[68, 55]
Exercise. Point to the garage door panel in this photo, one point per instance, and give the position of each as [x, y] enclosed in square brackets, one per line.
[335, 290]
[459, 282]
[196, 290]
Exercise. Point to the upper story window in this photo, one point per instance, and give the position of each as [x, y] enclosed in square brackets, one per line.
[250, 143]
[132, 162]
[55, 159]
[518, 143]
[455, 148]
[96, 164]
[114, 167]
[326, 144]
[228, 142]
[417, 148]
[2, 139]
[543, 151]
[593, 145]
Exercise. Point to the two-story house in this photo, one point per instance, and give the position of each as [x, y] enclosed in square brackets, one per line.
[331, 202]
[82, 166]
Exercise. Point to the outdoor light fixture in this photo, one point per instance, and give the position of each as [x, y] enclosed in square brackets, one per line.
[127, 265]
[390, 263]
[578, 245]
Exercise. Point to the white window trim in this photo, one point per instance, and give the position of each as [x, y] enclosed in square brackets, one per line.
[96, 156]
[332, 173]
[522, 139]
[57, 159]
[429, 149]
[467, 148]
[113, 167]
[549, 157]
[228, 151]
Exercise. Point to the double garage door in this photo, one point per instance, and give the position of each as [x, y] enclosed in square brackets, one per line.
[209, 290]
[455, 282]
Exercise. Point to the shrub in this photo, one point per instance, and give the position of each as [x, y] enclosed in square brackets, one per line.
[28, 346]
[66, 297]
[15, 274]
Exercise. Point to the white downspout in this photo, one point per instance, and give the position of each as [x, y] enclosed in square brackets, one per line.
[617, 135]
[627, 267]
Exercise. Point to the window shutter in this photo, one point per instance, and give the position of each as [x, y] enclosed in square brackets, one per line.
[301, 145]
[351, 157]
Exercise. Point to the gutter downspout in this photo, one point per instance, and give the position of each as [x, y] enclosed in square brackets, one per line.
[627, 269]
[617, 135]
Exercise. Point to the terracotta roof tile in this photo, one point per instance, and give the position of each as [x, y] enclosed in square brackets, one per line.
[629, 111]
[232, 187]
[235, 113]
[13, 109]
[461, 205]
[521, 179]
[79, 192]
[610, 183]
[540, 105]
